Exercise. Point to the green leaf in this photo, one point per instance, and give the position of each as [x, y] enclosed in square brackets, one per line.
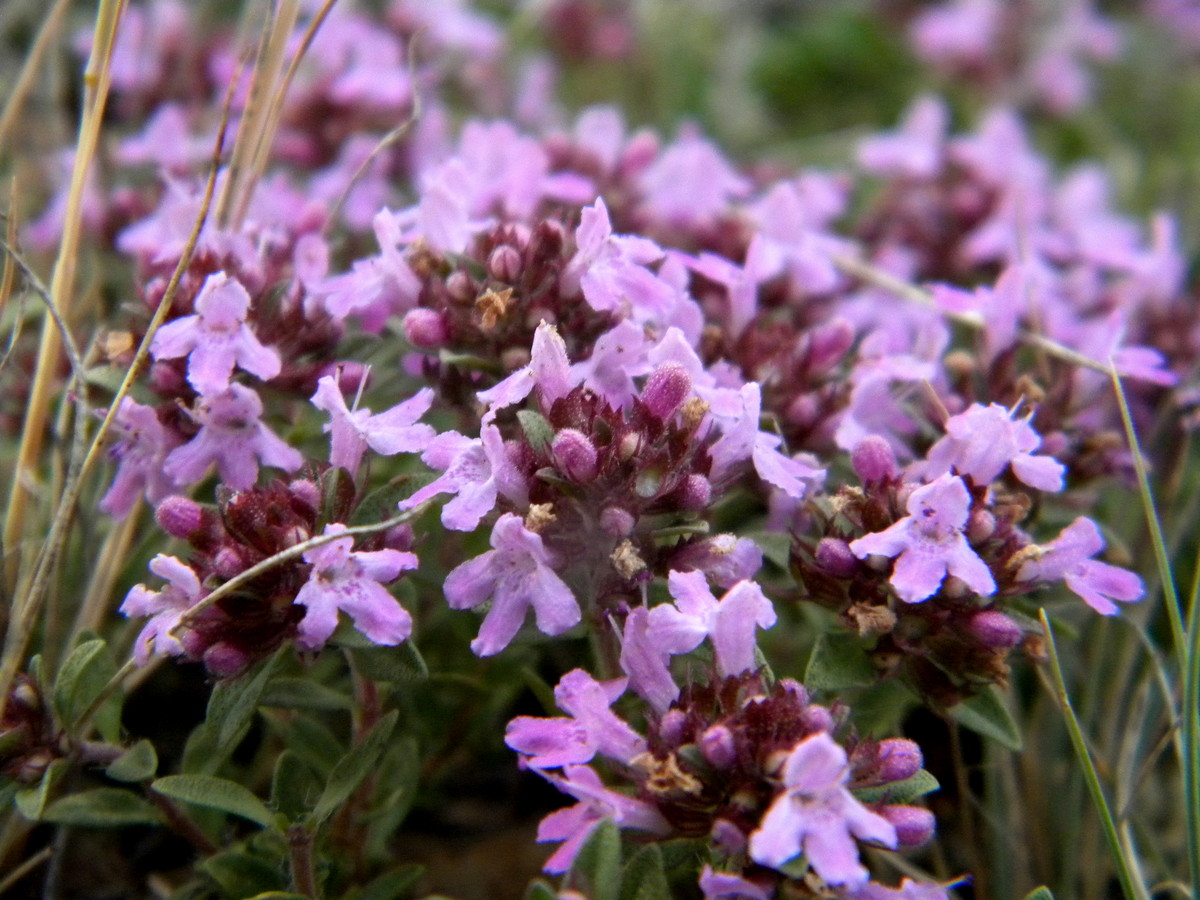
[537, 430]
[85, 673]
[294, 787]
[540, 890]
[645, 878]
[244, 874]
[137, 763]
[232, 703]
[910, 788]
[32, 801]
[382, 503]
[216, 793]
[279, 895]
[302, 693]
[1040, 893]
[312, 742]
[399, 776]
[777, 548]
[391, 885]
[597, 867]
[102, 808]
[354, 767]
[839, 662]
[986, 714]
[400, 663]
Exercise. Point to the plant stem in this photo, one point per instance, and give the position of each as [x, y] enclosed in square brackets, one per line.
[300, 857]
[1130, 885]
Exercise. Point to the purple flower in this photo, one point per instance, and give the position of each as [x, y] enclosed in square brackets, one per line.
[984, 440]
[574, 824]
[727, 886]
[691, 182]
[645, 660]
[916, 149]
[142, 447]
[549, 370]
[350, 580]
[611, 269]
[908, 890]
[593, 727]
[165, 607]
[231, 436]
[478, 470]
[930, 544]
[816, 814]
[391, 432]
[729, 622]
[1069, 558]
[217, 338]
[743, 441]
[515, 575]
[741, 282]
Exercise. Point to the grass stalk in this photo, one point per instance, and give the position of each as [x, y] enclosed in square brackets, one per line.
[1130, 885]
[96, 82]
[47, 35]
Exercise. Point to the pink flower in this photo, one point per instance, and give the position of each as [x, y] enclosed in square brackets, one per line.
[140, 451]
[231, 436]
[515, 575]
[217, 338]
[816, 815]
[929, 543]
[388, 433]
[1069, 558]
[985, 440]
[165, 607]
[349, 580]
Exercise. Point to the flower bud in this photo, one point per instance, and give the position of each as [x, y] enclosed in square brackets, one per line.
[873, 460]
[834, 557]
[728, 836]
[617, 522]
[802, 412]
[719, 747]
[400, 537]
[504, 264]
[816, 718]
[228, 562]
[672, 726]
[224, 661]
[995, 630]
[914, 825]
[305, 492]
[425, 328]
[461, 287]
[351, 377]
[829, 344]
[574, 455]
[899, 759]
[694, 494]
[666, 389]
[179, 517]
[980, 526]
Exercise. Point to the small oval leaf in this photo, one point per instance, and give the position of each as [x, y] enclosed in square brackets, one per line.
[216, 793]
[102, 808]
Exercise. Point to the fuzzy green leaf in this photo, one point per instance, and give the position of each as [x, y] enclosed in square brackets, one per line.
[85, 673]
[645, 877]
[31, 801]
[401, 663]
[391, 885]
[302, 693]
[1040, 893]
[232, 703]
[354, 767]
[901, 791]
[102, 808]
[244, 874]
[838, 662]
[294, 787]
[137, 763]
[216, 793]
[537, 430]
[986, 714]
[597, 867]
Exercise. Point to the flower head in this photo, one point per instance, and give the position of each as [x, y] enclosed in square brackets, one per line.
[1069, 558]
[390, 432]
[165, 607]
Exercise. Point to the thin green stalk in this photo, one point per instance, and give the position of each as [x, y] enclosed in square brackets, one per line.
[1191, 734]
[1130, 885]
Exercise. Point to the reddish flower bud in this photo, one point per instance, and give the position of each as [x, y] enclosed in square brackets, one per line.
[995, 630]
[914, 825]
[228, 562]
[461, 287]
[225, 661]
[899, 758]
[351, 376]
[873, 460]
[728, 836]
[834, 556]
[816, 718]
[307, 494]
[695, 493]
[179, 517]
[671, 728]
[574, 455]
[425, 328]
[829, 344]
[719, 747]
[666, 389]
[617, 522]
[504, 264]
[980, 526]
